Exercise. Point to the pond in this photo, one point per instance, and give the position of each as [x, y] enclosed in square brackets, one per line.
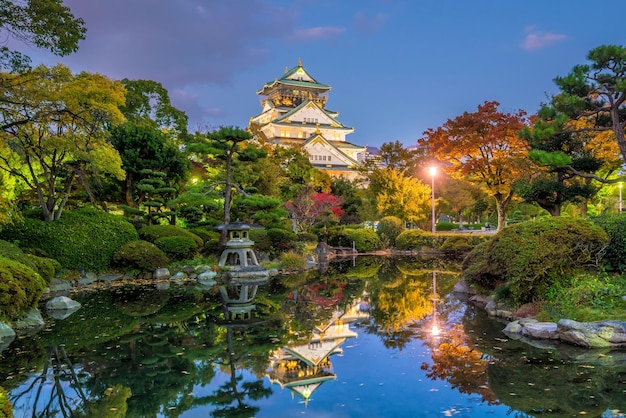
[354, 340]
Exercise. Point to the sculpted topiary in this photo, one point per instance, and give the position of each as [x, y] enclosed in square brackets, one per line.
[530, 256]
[140, 255]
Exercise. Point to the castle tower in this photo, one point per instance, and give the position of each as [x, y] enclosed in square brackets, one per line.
[294, 113]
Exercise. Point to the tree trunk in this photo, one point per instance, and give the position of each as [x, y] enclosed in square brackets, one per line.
[502, 205]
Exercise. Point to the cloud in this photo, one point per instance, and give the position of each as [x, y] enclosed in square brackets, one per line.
[178, 42]
[369, 24]
[318, 33]
[536, 39]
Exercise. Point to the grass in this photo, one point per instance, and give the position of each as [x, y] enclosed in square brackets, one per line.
[587, 297]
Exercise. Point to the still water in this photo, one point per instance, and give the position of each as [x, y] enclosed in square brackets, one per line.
[355, 340]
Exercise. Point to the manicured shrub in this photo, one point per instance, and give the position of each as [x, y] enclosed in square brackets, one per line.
[20, 287]
[615, 227]
[389, 228]
[210, 237]
[177, 248]
[84, 238]
[412, 239]
[153, 232]
[282, 239]
[140, 255]
[531, 256]
[365, 239]
[261, 239]
[456, 244]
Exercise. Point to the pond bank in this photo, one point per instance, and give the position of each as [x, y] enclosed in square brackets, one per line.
[597, 334]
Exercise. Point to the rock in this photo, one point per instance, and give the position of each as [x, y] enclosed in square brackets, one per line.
[29, 323]
[7, 335]
[593, 334]
[163, 285]
[541, 330]
[463, 287]
[110, 277]
[178, 276]
[61, 303]
[161, 273]
[208, 274]
[57, 285]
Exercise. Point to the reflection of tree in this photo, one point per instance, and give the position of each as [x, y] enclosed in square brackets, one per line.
[456, 361]
[229, 397]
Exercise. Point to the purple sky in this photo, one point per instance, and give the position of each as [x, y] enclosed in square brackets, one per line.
[397, 67]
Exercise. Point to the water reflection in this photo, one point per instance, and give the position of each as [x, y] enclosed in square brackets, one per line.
[302, 368]
[356, 339]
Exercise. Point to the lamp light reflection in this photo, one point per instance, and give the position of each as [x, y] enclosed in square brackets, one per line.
[435, 330]
[433, 171]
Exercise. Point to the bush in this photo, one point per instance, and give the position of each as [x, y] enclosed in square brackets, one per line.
[211, 239]
[140, 255]
[456, 244]
[282, 239]
[46, 267]
[412, 239]
[530, 256]
[308, 237]
[84, 238]
[292, 260]
[153, 232]
[177, 248]
[20, 287]
[365, 239]
[615, 227]
[389, 228]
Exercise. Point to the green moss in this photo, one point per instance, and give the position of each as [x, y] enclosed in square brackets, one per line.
[21, 287]
[153, 232]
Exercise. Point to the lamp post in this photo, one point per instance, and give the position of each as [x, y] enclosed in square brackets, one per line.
[620, 197]
[433, 171]
[435, 329]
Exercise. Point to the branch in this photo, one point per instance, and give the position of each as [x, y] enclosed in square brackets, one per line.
[239, 189]
[592, 176]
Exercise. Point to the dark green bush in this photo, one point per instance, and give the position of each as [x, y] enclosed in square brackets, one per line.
[262, 241]
[365, 239]
[446, 226]
[308, 237]
[282, 239]
[530, 256]
[210, 237]
[177, 248]
[20, 287]
[84, 238]
[456, 244]
[140, 255]
[615, 227]
[389, 228]
[153, 232]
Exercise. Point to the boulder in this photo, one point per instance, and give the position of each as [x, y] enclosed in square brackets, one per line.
[7, 335]
[62, 303]
[161, 274]
[593, 334]
[29, 323]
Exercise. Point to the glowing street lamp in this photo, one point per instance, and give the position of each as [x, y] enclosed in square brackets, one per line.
[433, 171]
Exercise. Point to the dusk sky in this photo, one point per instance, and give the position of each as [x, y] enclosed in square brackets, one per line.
[396, 67]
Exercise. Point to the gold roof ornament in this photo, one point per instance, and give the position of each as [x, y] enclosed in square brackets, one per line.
[317, 128]
[299, 62]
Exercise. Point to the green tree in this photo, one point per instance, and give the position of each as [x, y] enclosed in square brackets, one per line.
[394, 154]
[597, 92]
[148, 101]
[43, 23]
[567, 162]
[396, 194]
[146, 149]
[229, 145]
[55, 126]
